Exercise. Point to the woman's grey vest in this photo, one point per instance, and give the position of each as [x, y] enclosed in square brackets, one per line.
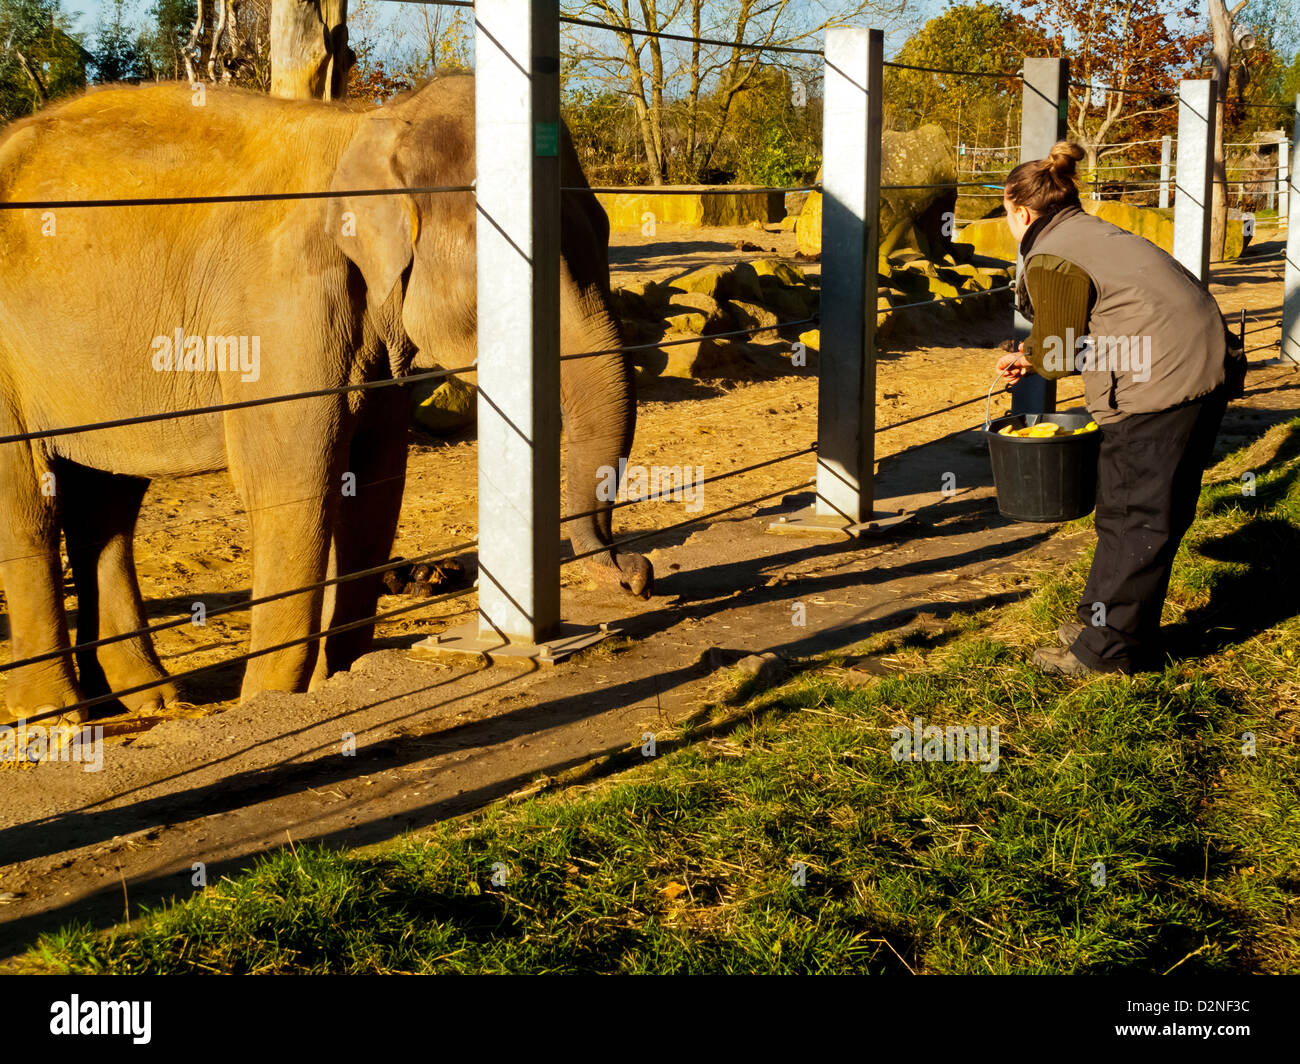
[1157, 334]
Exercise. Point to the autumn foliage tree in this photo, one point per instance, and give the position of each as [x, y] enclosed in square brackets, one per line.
[1136, 49]
[983, 37]
[685, 96]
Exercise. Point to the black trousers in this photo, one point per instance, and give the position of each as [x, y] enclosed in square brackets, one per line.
[1148, 482]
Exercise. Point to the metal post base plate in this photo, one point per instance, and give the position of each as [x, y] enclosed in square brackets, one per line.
[810, 523]
[467, 639]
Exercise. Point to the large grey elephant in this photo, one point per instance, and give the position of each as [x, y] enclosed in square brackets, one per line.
[114, 312]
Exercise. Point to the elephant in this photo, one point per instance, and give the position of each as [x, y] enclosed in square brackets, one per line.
[111, 313]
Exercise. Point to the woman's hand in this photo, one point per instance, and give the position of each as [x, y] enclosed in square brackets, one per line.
[1013, 367]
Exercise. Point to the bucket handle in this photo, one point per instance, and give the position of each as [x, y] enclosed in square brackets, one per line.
[988, 404]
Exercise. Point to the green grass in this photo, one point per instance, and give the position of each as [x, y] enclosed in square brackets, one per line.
[684, 863]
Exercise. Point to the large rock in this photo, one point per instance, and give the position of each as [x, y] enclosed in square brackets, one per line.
[703, 358]
[736, 205]
[918, 157]
[758, 317]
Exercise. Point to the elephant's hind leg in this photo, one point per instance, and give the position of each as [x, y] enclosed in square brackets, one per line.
[99, 516]
[365, 527]
[32, 575]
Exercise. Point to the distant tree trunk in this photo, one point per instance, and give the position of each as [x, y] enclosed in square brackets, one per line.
[38, 86]
[310, 57]
[1221, 20]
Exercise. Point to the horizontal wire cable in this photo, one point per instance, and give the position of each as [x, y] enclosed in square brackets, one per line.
[237, 607]
[618, 544]
[1263, 347]
[948, 299]
[942, 184]
[1132, 143]
[1249, 258]
[698, 484]
[252, 197]
[1141, 91]
[934, 413]
[1013, 74]
[740, 46]
[685, 190]
[754, 331]
[243, 404]
[312, 637]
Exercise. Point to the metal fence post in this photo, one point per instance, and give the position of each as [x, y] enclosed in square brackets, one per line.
[1291, 277]
[1166, 154]
[1196, 103]
[1045, 89]
[846, 393]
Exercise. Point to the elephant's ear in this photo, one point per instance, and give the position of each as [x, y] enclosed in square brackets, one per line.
[378, 233]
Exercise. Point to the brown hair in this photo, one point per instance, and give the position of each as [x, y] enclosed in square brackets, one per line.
[1046, 183]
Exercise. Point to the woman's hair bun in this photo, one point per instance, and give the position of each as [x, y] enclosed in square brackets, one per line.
[1063, 157]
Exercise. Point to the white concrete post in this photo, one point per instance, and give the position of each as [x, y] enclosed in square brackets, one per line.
[1192, 205]
[1291, 274]
[517, 50]
[1284, 178]
[1166, 154]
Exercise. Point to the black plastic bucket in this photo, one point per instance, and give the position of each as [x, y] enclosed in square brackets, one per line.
[1051, 478]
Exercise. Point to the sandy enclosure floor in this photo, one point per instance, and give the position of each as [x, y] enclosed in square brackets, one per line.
[192, 542]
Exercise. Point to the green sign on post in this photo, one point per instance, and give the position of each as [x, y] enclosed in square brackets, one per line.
[546, 140]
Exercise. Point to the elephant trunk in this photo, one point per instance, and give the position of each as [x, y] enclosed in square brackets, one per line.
[599, 423]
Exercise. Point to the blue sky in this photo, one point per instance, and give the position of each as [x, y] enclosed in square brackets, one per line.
[86, 14]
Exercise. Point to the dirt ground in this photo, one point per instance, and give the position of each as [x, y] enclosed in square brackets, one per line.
[215, 782]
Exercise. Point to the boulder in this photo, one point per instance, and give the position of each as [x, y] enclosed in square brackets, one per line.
[792, 302]
[782, 271]
[991, 237]
[708, 281]
[717, 318]
[705, 358]
[919, 157]
[634, 208]
[691, 322]
[756, 316]
[742, 282]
